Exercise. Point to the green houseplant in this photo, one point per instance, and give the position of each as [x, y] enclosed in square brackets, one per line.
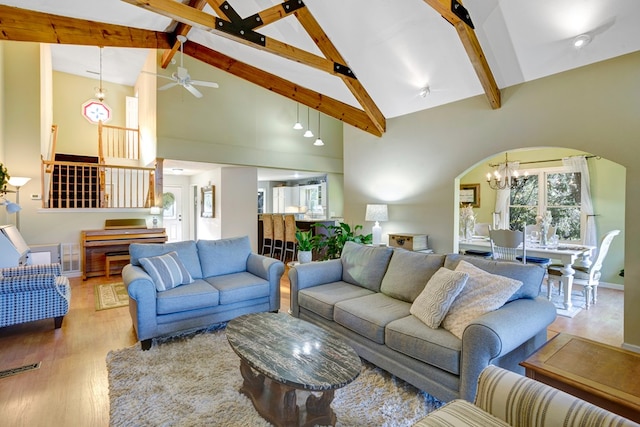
[4, 178]
[331, 243]
[306, 243]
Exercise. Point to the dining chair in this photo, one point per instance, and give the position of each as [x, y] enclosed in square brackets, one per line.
[481, 229]
[290, 242]
[510, 245]
[278, 236]
[587, 277]
[267, 234]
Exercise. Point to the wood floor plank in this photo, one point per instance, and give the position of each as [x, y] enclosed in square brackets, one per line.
[71, 386]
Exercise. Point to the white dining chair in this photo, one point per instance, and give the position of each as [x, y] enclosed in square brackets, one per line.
[587, 277]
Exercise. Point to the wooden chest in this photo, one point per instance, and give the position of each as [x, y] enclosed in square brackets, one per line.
[412, 242]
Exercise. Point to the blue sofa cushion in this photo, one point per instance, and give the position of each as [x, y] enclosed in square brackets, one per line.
[224, 256]
[187, 252]
[193, 296]
[238, 287]
[167, 271]
[531, 275]
[365, 265]
[322, 299]
[437, 347]
[408, 273]
[368, 315]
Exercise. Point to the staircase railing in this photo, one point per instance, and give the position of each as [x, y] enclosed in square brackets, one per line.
[76, 185]
[118, 142]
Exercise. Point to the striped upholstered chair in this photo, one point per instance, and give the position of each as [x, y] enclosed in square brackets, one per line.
[505, 398]
[33, 292]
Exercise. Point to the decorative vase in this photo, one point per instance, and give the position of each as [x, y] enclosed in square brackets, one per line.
[470, 226]
[304, 257]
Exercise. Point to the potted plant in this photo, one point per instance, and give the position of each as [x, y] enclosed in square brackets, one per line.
[331, 243]
[4, 178]
[306, 243]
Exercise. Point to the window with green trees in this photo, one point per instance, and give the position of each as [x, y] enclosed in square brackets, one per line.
[556, 190]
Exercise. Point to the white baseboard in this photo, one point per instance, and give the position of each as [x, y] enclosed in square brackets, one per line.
[631, 347]
[611, 286]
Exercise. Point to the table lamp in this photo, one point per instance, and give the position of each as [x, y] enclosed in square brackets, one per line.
[376, 213]
[155, 211]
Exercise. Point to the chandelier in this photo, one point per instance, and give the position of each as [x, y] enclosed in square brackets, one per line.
[506, 176]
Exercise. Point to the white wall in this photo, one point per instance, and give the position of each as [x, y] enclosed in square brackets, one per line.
[415, 165]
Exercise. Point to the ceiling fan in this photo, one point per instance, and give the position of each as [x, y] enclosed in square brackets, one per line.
[182, 77]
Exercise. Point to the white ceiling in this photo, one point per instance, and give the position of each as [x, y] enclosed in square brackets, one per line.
[394, 47]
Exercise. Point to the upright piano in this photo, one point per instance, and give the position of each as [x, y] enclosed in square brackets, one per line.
[115, 237]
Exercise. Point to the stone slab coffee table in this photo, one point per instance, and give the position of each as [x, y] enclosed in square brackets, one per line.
[282, 359]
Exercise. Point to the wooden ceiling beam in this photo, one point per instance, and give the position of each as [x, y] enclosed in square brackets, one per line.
[206, 22]
[320, 38]
[329, 106]
[26, 25]
[461, 21]
[181, 30]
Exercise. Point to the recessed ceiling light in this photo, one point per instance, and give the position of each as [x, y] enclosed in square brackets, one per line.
[581, 41]
[425, 91]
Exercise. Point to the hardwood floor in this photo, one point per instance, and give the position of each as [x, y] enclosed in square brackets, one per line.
[71, 389]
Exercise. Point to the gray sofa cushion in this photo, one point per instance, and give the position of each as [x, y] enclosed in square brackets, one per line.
[224, 256]
[368, 315]
[193, 296]
[364, 265]
[437, 347]
[187, 252]
[408, 273]
[530, 275]
[321, 299]
[239, 287]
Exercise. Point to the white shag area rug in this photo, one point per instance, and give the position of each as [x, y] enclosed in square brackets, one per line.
[194, 381]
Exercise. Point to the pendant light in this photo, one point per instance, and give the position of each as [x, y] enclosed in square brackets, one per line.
[318, 142]
[298, 125]
[308, 133]
[100, 92]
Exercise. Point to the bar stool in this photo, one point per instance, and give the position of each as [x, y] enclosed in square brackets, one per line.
[290, 241]
[267, 233]
[278, 236]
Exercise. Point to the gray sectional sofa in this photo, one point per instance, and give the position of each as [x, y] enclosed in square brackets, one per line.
[366, 297]
[223, 280]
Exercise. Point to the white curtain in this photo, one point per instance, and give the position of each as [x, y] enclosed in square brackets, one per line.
[579, 164]
[503, 197]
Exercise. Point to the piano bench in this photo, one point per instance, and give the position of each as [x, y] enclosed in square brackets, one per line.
[110, 257]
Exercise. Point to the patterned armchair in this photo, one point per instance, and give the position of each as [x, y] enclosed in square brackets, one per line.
[33, 292]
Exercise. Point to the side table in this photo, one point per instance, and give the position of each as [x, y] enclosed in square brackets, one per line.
[604, 375]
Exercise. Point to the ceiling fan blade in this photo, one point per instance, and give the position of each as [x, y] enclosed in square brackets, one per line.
[201, 83]
[195, 92]
[168, 86]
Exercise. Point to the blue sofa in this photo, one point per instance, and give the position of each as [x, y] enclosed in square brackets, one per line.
[228, 280]
[33, 292]
[366, 297]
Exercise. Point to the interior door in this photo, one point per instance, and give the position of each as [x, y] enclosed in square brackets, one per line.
[172, 214]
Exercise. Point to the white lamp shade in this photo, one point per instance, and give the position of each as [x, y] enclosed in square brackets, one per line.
[155, 210]
[18, 181]
[376, 213]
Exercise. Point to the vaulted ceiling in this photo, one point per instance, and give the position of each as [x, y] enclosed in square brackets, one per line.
[360, 61]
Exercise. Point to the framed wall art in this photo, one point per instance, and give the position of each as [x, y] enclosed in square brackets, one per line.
[470, 195]
[207, 201]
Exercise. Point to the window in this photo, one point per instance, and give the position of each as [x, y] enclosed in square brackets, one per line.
[557, 190]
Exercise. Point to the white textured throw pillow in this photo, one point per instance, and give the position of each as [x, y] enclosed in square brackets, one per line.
[167, 271]
[484, 292]
[435, 299]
